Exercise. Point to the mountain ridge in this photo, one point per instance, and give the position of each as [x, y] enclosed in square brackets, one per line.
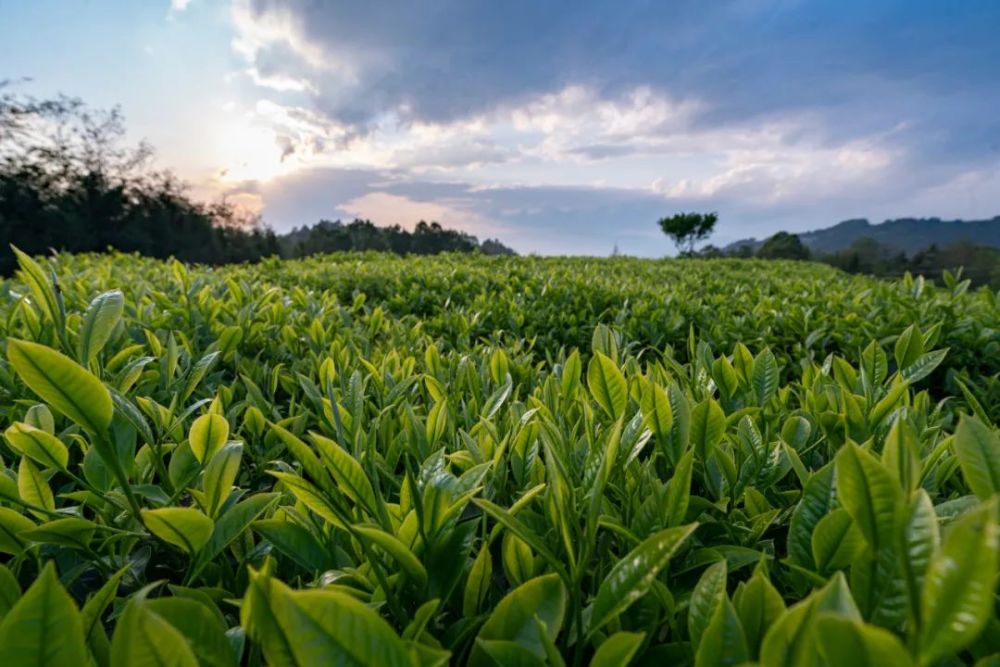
[907, 235]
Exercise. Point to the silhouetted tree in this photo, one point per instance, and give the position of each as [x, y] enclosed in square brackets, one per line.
[69, 182]
[784, 246]
[686, 229]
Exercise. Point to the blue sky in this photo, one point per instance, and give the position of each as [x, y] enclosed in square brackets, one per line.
[558, 127]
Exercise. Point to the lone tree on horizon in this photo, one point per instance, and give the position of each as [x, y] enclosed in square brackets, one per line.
[686, 229]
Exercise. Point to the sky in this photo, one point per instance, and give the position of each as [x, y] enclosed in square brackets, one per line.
[560, 128]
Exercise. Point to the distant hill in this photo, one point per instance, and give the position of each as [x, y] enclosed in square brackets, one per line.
[906, 234]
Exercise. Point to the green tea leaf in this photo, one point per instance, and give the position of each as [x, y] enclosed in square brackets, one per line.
[817, 501]
[70, 532]
[960, 583]
[182, 527]
[617, 650]
[10, 591]
[706, 598]
[399, 552]
[43, 628]
[12, 524]
[325, 627]
[845, 641]
[62, 383]
[607, 385]
[33, 488]
[708, 424]
[41, 447]
[836, 541]
[99, 321]
[978, 449]
[869, 494]
[723, 642]
[632, 576]
[143, 637]
[200, 628]
[348, 474]
[220, 473]
[759, 606]
[208, 435]
[513, 619]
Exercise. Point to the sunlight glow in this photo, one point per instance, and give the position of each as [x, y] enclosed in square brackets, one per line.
[248, 151]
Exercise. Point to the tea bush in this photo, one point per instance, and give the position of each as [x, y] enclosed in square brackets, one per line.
[363, 459]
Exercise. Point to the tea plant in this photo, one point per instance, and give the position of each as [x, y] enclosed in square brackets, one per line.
[369, 460]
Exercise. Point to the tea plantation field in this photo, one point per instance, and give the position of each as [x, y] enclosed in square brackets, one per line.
[373, 460]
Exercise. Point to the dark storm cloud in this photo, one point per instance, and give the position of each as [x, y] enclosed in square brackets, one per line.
[862, 63]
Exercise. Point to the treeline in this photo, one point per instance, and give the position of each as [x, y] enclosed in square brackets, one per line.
[69, 183]
[979, 264]
[425, 239]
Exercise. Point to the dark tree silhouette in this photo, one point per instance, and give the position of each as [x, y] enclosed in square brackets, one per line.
[686, 229]
[69, 182]
[784, 246]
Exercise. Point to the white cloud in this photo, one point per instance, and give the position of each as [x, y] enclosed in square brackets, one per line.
[179, 5]
[640, 141]
[275, 26]
[279, 82]
[386, 208]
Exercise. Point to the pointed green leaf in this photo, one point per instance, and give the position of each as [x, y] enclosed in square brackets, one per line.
[200, 627]
[43, 628]
[759, 606]
[513, 618]
[62, 383]
[978, 449]
[960, 585]
[10, 591]
[656, 411]
[836, 541]
[679, 491]
[143, 638]
[12, 524]
[617, 650]
[632, 576]
[43, 448]
[723, 643]
[33, 488]
[845, 641]
[706, 598]
[765, 376]
[708, 424]
[607, 385]
[220, 473]
[99, 321]
[326, 627]
[70, 532]
[817, 500]
[208, 435]
[399, 552]
[348, 474]
[868, 493]
[183, 527]
[919, 545]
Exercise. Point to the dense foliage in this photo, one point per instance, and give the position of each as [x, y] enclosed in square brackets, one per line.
[362, 459]
[363, 235]
[980, 264]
